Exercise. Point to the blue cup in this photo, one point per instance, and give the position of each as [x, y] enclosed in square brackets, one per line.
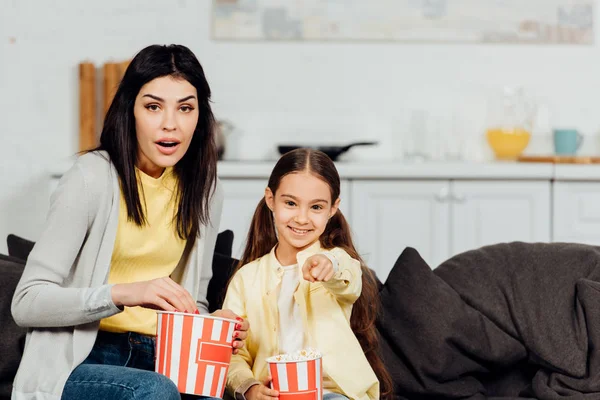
[567, 141]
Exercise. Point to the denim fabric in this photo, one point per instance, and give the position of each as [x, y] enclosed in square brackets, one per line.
[121, 366]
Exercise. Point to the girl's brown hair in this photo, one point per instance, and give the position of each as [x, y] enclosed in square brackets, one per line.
[262, 238]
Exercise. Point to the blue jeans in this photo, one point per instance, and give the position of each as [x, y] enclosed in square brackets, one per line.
[334, 396]
[121, 367]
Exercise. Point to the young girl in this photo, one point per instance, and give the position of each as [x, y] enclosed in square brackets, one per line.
[302, 284]
[132, 227]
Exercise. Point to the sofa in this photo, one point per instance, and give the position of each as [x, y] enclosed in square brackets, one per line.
[511, 320]
[507, 321]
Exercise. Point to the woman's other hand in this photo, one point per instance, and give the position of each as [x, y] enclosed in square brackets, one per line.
[241, 328]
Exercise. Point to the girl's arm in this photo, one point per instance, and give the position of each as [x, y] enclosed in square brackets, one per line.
[240, 377]
[39, 299]
[346, 282]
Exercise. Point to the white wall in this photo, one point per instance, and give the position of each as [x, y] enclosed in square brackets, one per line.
[271, 91]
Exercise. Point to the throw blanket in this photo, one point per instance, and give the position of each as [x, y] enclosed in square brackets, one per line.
[513, 320]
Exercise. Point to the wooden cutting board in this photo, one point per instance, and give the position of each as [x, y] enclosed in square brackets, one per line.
[87, 106]
[560, 159]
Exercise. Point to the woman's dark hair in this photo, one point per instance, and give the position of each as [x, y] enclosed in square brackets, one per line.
[262, 238]
[196, 171]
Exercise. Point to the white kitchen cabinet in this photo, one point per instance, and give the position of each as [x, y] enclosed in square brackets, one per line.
[576, 212]
[391, 215]
[439, 209]
[242, 197]
[487, 212]
[441, 218]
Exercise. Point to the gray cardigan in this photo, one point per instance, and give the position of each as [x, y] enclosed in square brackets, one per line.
[63, 293]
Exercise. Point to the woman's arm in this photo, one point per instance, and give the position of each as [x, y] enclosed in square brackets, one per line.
[39, 299]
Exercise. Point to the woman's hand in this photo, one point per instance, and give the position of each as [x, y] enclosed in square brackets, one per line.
[241, 328]
[261, 391]
[159, 294]
[317, 268]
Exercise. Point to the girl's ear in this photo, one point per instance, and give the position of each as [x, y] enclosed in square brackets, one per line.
[269, 198]
[334, 207]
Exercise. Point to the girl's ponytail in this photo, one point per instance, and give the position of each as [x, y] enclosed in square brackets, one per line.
[261, 237]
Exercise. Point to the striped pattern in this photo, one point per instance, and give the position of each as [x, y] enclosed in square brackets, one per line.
[300, 380]
[194, 352]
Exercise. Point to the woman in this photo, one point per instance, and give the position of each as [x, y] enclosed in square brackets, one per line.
[131, 227]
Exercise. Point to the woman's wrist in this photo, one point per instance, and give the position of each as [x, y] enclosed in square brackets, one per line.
[117, 294]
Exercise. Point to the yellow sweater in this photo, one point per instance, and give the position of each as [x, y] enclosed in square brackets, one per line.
[147, 252]
[325, 309]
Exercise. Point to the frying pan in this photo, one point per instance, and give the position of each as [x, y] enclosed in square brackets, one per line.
[332, 151]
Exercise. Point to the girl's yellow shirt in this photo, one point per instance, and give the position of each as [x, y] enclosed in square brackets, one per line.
[325, 307]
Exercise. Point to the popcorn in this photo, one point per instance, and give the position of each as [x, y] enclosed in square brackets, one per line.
[297, 376]
[300, 355]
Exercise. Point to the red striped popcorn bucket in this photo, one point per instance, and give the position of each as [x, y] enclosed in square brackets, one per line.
[194, 351]
[297, 380]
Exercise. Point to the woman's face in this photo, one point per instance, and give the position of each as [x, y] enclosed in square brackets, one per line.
[166, 115]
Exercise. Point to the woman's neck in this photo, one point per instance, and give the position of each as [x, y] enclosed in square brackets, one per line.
[149, 168]
[153, 172]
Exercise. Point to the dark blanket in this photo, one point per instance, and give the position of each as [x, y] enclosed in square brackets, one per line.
[510, 320]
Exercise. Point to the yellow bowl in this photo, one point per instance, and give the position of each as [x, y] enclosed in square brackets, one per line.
[508, 144]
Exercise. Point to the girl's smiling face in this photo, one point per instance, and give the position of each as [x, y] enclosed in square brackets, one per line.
[301, 206]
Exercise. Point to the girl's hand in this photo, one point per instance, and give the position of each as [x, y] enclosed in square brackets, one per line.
[261, 391]
[317, 268]
[159, 294]
[241, 328]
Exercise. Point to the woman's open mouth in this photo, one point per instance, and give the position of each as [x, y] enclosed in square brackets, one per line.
[167, 144]
[167, 147]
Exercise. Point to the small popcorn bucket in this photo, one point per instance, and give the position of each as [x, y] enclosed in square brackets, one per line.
[297, 380]
[194, 351]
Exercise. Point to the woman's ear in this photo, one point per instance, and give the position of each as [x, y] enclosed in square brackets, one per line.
[269, 198]
[334, 207]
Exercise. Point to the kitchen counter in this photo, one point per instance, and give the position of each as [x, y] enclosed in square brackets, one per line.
[427, 170]
[574, 172]
[399, 170]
